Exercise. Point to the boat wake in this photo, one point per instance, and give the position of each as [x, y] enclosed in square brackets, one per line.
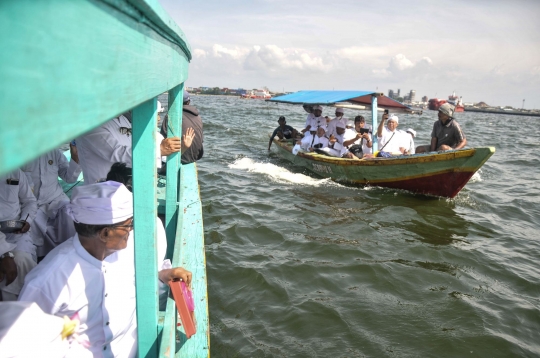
[277, 173]
[476, 177]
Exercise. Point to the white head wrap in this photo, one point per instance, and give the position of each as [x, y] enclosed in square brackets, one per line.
[394, 118]
[104, 203]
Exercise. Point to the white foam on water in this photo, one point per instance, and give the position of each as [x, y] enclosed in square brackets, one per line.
[476, 177]
[277, 173]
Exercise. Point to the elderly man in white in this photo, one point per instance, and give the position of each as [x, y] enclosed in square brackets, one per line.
[110, 143]
[331, 129]
[17, 250]
[390, 139]
[52, 225]
[93, 274]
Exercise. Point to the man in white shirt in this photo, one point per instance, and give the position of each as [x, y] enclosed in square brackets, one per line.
[358, 138]
[316, 121]
[410, 134]
[93, 274]
[390, 139]
[17, 250]
[318, 141]
[110, 143]
[309, 117]
[335, 142]
[331, 129]
[52, 225]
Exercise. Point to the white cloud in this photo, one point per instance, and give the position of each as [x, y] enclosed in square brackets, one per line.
[221, 51]
[399, 62]
[198, 53]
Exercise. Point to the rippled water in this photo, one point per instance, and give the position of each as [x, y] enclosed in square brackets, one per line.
[300, 266]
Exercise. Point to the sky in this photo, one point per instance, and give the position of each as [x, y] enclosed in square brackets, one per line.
[484, 50]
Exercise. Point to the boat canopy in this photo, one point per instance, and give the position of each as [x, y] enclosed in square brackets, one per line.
[333, 97]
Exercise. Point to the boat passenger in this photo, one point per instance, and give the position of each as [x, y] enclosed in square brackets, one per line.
[410, 134]
[192, 131]
[316, 121]
[17, 250]
[283, 131]
[390, 139]
[331, 129]
[93, 273]
[308, 108]
[446, 133]
[52, 224]
[111, 143]
[318, 141]
[335, 142]
[358, 140]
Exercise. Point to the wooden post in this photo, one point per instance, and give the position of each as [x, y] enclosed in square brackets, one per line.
[174, 166]
[374, 122]
[145, 212]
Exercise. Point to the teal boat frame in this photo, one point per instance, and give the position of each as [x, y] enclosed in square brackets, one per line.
[68, 67]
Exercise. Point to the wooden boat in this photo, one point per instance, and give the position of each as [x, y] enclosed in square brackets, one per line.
[437, 173]
[74, 66]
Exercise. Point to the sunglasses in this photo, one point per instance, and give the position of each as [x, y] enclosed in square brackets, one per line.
[125, 130]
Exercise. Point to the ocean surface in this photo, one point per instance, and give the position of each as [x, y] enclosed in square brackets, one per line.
[300, 266]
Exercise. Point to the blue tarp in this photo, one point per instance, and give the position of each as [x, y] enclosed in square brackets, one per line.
[332, 97]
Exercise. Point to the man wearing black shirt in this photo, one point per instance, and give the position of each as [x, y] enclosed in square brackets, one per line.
[283, 131]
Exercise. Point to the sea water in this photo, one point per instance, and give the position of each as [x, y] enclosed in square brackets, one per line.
[300, 266]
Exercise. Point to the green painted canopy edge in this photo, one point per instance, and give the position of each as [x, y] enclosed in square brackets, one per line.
[70, 66]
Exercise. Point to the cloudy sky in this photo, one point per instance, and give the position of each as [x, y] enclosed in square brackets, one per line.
[485, 50]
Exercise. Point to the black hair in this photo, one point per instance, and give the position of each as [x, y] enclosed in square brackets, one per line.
[359, 119]
[88, 230]
[121, 173]
[282, 118]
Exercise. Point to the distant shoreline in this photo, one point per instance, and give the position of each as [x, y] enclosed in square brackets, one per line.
[495, 111]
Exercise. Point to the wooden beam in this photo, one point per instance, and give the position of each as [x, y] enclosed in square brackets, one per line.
[145, 210]
[375, 142]
[174, 167]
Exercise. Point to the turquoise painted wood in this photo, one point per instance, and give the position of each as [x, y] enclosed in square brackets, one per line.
[375, 142]
[69, 66]
[189, 253]
[173, 166]
[145, 214]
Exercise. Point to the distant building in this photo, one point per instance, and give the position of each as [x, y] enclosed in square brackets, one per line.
[412, 95]
[425, 99]
[391, 94]
[398, 93]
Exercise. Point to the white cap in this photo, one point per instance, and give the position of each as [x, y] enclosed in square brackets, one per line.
[104, 203]
[317, 107]
[350, 124]
[394, 118]
[340, 110]
[340, 125]
[412, 131]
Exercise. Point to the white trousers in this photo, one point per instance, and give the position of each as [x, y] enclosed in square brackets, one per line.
[25, 264]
